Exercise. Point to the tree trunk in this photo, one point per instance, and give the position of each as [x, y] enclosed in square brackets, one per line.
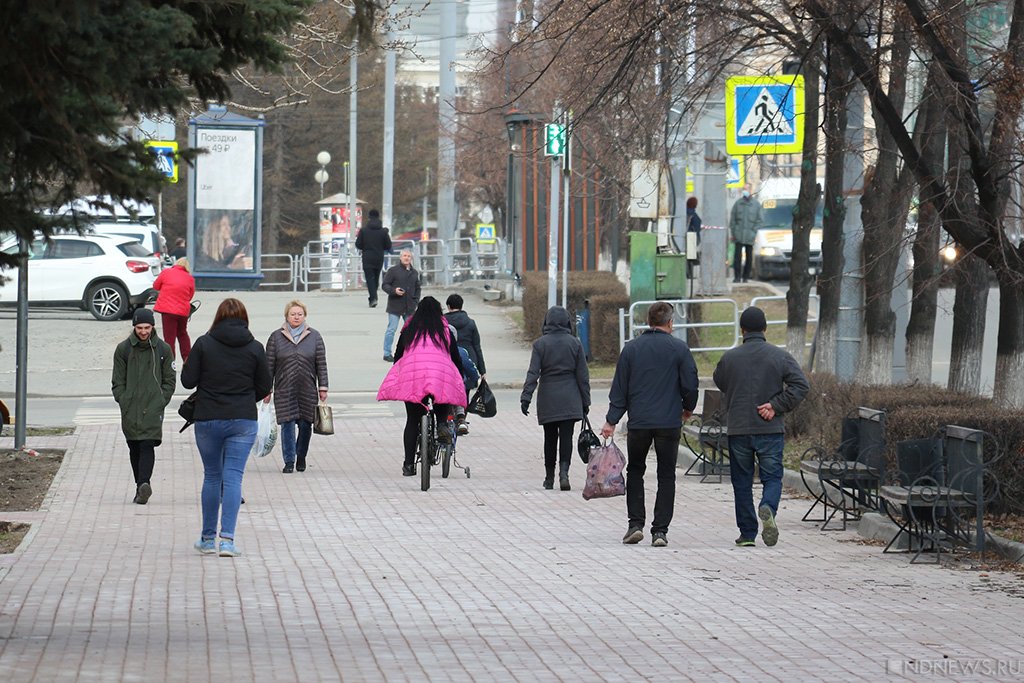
[968, 325]
[1009, 386]
[924, 304]
[800, 280]
[837, 90]
[884, 212]
[921, 326]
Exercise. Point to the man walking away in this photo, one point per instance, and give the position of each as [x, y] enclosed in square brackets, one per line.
[761, 383]
[469, 339]
[656, 383]
[142, 383]
[744, 222]
[402, 285]
[373, 240]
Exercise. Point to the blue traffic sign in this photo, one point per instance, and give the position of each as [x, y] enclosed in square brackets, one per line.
[166, 153]
[764, 115]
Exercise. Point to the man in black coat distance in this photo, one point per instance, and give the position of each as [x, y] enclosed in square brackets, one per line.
[374, 241]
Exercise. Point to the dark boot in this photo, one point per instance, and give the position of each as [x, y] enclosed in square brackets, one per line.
[300, 464]
[563, 476]
[549, 478]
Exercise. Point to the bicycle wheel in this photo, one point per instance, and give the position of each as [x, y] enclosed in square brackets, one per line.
[446, 460]
[426, 449]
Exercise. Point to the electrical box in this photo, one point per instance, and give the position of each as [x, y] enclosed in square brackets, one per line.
[670, 276]
[642, 249]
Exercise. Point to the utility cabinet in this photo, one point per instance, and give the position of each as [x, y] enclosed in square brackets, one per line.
[643, 247]
[670, 276]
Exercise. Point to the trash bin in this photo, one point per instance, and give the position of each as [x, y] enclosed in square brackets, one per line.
[583, 328]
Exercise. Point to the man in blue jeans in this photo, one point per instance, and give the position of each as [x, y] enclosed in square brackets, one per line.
[761, 382]
[656, 383]
[402, 285]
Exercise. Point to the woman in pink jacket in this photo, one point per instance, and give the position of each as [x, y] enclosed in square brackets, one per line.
[427, 363]
[176, 286]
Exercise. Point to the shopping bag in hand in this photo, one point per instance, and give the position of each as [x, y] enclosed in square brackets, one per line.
[604, 473]
[483, 402]
[266, 430]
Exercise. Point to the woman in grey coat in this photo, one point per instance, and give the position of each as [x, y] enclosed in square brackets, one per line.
[298, 361]
[559, 366]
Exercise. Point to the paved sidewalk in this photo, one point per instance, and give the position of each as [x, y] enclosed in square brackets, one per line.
[350, 572]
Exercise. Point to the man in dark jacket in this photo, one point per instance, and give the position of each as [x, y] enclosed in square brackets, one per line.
[373, 240]
[761, 383]
[656, 383]
[142, 383]
[469, 336]
[402, 285]
[744, 221]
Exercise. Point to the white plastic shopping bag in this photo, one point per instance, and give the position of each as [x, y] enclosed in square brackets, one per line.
[266, 430]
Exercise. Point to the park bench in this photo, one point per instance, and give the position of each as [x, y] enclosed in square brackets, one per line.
[937, 497]
[847, 477]
[708, 437]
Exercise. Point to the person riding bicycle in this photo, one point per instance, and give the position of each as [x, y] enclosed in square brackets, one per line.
[427, 363]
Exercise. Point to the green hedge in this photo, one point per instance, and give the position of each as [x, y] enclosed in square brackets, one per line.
[915, 411]
[602, 289]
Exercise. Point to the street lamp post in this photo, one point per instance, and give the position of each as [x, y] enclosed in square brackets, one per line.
[321, 176]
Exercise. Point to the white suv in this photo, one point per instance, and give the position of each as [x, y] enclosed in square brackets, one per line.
[107, 276]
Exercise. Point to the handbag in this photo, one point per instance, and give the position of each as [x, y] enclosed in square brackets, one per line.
[604, 473]
[586, 440]
[187, 410]
[323, 423]
[193, 306]
[483, 402]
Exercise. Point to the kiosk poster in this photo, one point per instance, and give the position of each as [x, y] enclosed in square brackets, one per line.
[225, 200]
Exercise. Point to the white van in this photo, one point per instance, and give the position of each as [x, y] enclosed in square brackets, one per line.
[773, 245]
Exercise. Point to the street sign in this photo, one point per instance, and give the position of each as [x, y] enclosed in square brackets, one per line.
[166, 153]
[485, 233]
[554, 140]
[764, 115]
[734, 173]
[691, 186]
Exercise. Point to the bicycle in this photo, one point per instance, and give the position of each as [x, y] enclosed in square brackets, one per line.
[430, 449]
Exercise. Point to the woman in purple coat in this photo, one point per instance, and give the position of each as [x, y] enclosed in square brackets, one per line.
[427, 363]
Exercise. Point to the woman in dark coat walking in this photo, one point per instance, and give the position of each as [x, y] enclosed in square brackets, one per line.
[559, 366]
[298, 361]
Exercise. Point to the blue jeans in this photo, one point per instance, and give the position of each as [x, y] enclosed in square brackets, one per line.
[291, 446]
[742, 450]
[389, 335]
[224, 446]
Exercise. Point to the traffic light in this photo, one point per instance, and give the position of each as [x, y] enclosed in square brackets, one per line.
[554, 140]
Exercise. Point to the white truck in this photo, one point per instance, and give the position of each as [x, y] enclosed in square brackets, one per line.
[773, 245]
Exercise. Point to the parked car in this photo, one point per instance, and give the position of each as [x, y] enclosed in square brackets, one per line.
[145, 233]
[109, 276]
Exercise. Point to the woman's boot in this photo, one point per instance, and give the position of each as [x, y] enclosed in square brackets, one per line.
[549, 478]
[563, 476]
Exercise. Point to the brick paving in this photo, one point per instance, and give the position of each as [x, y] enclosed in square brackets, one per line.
[351, 573]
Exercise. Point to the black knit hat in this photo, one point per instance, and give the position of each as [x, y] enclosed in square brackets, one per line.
[753, 320]
[143, 316]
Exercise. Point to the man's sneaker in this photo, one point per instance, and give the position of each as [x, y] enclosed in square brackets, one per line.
[462, 428]
[145, 491]
[634, 535]
[288, 468]
[206, 546]
[658, 539]
[228, 549]
[389, 358]
[744, 542]
[769, 530]
[409, 470]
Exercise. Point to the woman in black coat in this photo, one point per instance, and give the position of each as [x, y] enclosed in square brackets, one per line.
[559, 366]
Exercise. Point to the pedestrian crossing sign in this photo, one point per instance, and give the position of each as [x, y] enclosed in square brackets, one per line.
[734, 173]
[485, 233]
[166, 157]
[764, 115]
